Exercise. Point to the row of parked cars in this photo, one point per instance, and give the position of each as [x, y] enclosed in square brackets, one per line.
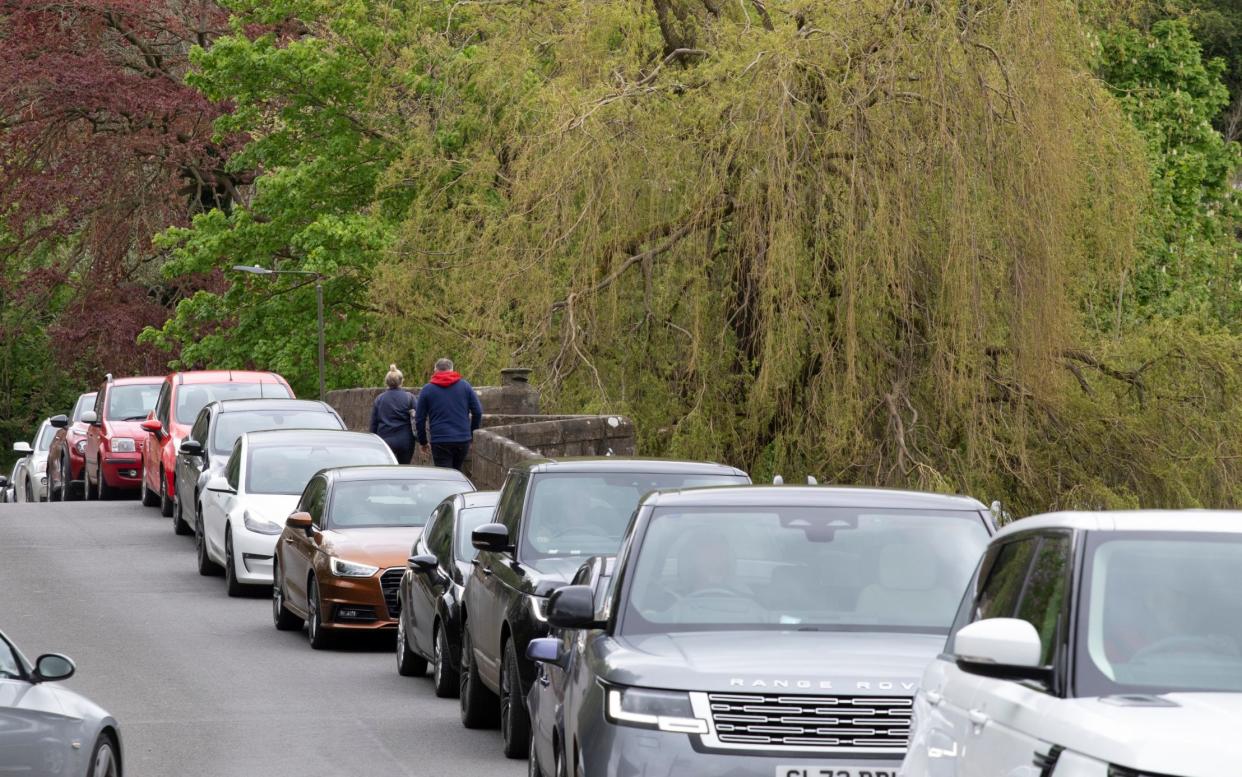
[649, 617]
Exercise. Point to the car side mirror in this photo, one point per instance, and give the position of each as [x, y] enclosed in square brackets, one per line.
[545, 650]
[301, 521]
[220, 484]
[1000, 648]
[573, 607]
[89, 417]
[422, 563]
[191, 447]
[491, 536]
[21, 447]
[59, 421]
[51, 667]
[152, 425]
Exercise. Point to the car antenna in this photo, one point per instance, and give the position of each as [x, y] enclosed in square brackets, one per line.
[778, 481]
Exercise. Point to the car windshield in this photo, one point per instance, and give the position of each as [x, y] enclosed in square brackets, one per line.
[230, 426]
[193, 397]
[46, 434]
[805, 568]
[132, 402]
[85, 402]
[286, 469]
[368, 503]
[468, 520]
[1163, 614]
[586, 514]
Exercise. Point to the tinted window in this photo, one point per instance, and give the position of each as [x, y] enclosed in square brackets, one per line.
[512, 497]
[232, 470]
[198, 432]
[999, 595]
[192, 397]
[828, 569]
[580, 514]
[285, 469]
[468, 520]
[313, 500]
[440, 533]
[162, 403]
[361, 503]
[85, 402]
[1043, 601]
[230, 426]
[131, 402]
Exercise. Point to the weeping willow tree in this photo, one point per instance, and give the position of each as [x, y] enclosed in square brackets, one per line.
[867, 240]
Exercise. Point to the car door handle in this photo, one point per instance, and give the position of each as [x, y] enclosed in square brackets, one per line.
[978, 717]
[934, 697]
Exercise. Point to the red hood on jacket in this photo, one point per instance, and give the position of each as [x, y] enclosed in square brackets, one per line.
[445, 378]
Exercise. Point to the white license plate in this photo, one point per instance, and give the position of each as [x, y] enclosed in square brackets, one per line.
[844, 770]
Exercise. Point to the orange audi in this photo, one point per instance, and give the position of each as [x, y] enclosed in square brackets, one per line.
[342, 553]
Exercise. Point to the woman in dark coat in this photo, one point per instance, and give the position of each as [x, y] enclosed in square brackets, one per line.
[390, 416]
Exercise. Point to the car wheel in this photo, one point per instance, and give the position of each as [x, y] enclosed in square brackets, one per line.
[232, 585]
[104, 762]
[444, 676]
[320, 638]
[206, 567]
[409, 663]
[282, 619]
[166, 503]
[514, 717]
[179, 525]
[102, 489]
[149, 499]
[478, 705]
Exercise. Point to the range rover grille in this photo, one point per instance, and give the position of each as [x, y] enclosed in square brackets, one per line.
[812, 722]
[390, 581]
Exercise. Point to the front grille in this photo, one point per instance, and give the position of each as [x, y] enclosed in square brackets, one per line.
[818, 722]
[390, 581]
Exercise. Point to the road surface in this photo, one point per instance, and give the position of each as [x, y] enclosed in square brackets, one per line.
[203, 684]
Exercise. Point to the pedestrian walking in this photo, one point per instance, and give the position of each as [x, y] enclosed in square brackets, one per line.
[390, 416]
[446, 416]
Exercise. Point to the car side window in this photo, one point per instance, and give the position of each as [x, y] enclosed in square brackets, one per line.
[998, 596]
[509, 509]
[319, 504]
[9, 667]
[440, 538]
[162, 403]
[99, 402]
[198, 432]
[232, 472]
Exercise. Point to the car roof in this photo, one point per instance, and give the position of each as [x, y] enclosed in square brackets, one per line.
[1131, 520]
[224, 376]
[296, 436]
[137, 380]
[810, 496]
[392, 472]
[624, 464]
[245, 405]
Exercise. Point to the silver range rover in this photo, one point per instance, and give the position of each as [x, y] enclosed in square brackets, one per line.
[757, 630]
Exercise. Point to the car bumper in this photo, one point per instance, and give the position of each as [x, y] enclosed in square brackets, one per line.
[252, 554]
[355, 603]
[122, 470]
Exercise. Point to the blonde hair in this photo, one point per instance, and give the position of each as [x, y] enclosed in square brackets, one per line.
[394, 378]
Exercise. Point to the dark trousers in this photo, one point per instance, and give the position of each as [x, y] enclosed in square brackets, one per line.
[403, 449]
[450, 454]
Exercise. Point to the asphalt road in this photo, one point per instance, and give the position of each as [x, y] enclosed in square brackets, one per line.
[203, 684]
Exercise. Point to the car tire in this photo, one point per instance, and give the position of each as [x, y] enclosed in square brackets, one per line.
[206, 567]
[282, 618]
[148, 499]
[166, 503]
[478, 706]
[102, 489]
[320, 637]
[514, 717]
[444, 677]
[231, 583]
[180, 527]
[409, 663]
[104, 758]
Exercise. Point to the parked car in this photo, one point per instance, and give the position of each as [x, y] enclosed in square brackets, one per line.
[755, 630]
[342, 553]
[48, 729]
[244, 509]
[551, 515]
[217, 426]
[113, 433]
[429, 598]
[181, 397]
[66, 457]
[30, 478]
[1090, 644]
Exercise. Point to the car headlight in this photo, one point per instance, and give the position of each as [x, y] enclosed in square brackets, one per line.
[259, 525]
[342, 568]
[80, 447]
[123, 445]
[649, 708]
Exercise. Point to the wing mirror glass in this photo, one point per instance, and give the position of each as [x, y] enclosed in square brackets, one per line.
[573, 607]
[491, 536]
[59, 421]
[191, 447]
[21, 447]
[89, 417]
[220, 484]
[152, 425]
[545, 650]
[51, 667]
[1001, 648]
[300, 521]
[423, 562]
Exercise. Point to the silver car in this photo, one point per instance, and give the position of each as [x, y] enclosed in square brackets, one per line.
[49, 730]
[30, 476]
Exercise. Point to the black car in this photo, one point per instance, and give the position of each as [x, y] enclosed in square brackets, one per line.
[429, 627]
[217, 426]
[755, 630]
[550, 517]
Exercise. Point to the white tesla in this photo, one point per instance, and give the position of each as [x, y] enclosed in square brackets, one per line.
[245, 507]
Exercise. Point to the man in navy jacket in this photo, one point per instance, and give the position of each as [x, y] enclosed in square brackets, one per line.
[450, 410]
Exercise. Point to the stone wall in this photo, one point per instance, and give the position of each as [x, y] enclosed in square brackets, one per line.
[515, 396]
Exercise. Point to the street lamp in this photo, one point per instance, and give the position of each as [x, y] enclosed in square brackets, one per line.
[257, 270]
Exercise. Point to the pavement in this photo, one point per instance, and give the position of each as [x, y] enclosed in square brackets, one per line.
[203, 684]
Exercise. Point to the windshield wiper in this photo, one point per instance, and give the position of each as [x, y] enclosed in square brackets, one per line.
[135, 418]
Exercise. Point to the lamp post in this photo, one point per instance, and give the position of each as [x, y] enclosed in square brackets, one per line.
[257, 270]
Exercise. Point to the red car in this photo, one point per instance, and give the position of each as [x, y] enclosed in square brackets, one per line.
[67, 456]
[181, 396]
[114, 431]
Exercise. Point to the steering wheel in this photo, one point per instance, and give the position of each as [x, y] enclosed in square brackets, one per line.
[1178, 644]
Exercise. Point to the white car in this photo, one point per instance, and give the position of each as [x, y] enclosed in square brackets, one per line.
[1092, 645]
[30, 476]
[245, 507]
